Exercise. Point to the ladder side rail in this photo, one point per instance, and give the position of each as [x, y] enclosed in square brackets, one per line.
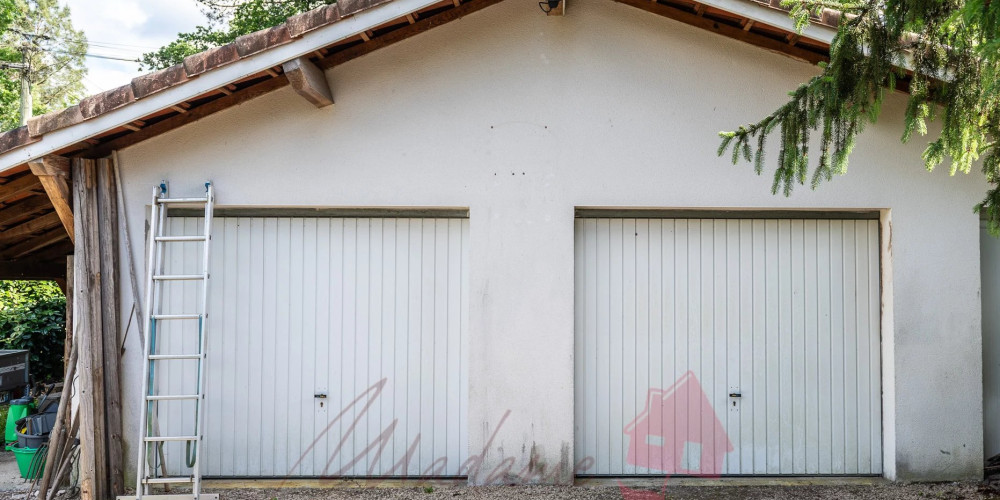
[141, 471]
[202, 334]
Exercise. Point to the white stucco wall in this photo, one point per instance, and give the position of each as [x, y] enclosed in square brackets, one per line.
[522, 117]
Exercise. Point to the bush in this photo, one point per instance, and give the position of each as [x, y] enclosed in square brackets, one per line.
[33, 317]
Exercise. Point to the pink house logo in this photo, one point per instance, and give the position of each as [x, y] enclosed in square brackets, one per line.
[677, 433]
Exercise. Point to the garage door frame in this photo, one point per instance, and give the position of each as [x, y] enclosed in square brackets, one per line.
[882, 324]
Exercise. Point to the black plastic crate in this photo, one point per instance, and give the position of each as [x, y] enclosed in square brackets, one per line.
[13, 369]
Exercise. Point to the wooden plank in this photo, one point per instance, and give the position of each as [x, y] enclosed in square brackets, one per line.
[28, 206]
[29, 228]
[308, 81]
[31, 269]
[53, 173]
[68, 344]
[93, 451]
[734, 32]
[19, 186]
[107, 208]
[36, 243]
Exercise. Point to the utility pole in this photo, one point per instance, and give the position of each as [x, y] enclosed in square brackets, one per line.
[24, 68]
[27, 46]
[25, 84]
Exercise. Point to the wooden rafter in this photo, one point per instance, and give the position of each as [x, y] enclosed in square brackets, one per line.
[29, 228]
[37, 243]
[53, 173]
[19, 186]
[735, 32]
[308, 81]
[32, 269]
[23, 209]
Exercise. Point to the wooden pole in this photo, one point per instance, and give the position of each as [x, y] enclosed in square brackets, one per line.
[107, 207]
[68, 342]
[59, 437]
[87, 277]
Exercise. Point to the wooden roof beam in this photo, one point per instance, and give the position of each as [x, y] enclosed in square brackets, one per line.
[31, 269]
[24, 208]
[29, 228]
[37, 243]
[309, 81]
[19, 186]
[53, 172]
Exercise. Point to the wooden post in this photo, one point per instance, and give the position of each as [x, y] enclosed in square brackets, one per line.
[68, 343]
[107, 208]
[87, 290]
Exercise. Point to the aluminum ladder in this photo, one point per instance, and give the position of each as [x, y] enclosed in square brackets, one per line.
[156, 279]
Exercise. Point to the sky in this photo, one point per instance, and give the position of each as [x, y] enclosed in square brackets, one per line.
[126, 29]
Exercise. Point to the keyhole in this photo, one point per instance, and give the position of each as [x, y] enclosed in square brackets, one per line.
[321, 404]
[734, 403]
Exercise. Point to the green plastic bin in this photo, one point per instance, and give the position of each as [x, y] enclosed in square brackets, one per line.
[24, 456]
[19, 408]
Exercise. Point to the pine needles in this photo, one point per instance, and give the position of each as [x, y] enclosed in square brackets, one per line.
[950, 50]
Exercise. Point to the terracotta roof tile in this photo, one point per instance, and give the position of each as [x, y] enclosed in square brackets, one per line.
[310, 20]
[151, 83]
[210, 59]
[349, 7]
[15, 138]
[262, 40]
[54, 120]
[98, 104]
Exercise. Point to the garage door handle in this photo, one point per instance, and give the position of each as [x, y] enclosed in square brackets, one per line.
[735, 395]
[320, 395]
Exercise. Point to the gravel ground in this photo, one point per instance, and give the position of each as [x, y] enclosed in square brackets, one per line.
[879, 491]
[942, 491]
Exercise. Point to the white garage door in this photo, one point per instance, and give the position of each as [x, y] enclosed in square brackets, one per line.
[778, 321]
[346, 308]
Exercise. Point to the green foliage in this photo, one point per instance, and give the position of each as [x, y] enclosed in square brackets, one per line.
[227, 21]
[953, 50]
[33, 317]
[44, 28]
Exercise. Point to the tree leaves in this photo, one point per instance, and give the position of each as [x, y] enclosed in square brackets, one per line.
[952, 48]
[33, 317]
[227, 21]
[56, 51]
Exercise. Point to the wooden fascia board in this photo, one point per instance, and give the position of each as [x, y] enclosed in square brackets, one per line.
[212, 80]
[772, 17]
[735, 32]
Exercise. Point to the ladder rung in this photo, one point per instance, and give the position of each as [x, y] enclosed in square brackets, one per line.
[178, 277]
[182, 200]
[167, 480]
[157, 439]
[176, 316]
[172, 397]
[180, 238]
[174, 356]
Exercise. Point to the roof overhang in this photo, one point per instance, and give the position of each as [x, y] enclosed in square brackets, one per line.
[214, 79]
[130, 114]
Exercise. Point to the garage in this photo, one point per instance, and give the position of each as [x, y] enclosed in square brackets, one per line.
[336, 345]
[776, 319]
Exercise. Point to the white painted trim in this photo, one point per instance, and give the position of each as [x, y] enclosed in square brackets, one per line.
[213, 79]
[772, 17]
